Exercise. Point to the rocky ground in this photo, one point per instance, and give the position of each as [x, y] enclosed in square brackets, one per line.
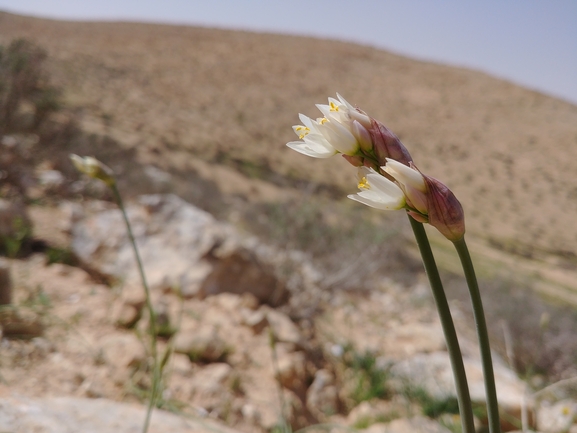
[75, 337]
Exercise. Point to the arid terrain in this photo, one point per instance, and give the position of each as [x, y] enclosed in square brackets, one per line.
[205, 114]
[219, 103]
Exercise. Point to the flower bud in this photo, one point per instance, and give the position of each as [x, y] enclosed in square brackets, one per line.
[444, 210]
[387, 145]
[362, 136]
[93, 168]
[428, 199]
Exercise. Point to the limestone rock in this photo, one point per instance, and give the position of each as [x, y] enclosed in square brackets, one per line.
[181, 247]
[211, 387]
[172, 237]
[433, 373]
[72, 415]
[203, 344]
[374, 410]
[284, 329]
[255, 320]
[292, 369]
[403, 425]
[123, 353]
[322, 397]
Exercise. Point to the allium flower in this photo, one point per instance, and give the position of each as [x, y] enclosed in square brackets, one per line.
[377, 191]
[344, 129]
[93, 168]
[314, 143]
[411, 181]
[429, 200]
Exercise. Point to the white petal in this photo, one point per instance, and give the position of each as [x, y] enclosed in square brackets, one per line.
[325, 109]
[384, 186]
[307, 121]
[339, 137]
[344, 102]
[312, 149]
[405, 175]
[363, 119]
[378, 201]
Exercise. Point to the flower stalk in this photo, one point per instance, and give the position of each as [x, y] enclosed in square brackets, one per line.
[97, 170]
[482, 334]
[152, 319]
[462, 389]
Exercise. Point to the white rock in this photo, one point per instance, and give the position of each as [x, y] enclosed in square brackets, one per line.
[285, 330]
[322, 395]
[180, 246]
[73, 415]
[412, 425]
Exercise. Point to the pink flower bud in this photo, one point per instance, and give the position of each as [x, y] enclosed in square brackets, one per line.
[362, 136]
[445, 212]
[428, 199]
[387, 145]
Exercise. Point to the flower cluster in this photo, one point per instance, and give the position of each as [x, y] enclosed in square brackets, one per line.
[388, 179]
[344, 129]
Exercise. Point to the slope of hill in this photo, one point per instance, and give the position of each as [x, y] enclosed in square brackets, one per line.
[179, 96]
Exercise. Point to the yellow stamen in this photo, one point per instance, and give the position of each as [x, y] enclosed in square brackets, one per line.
[364, 183]
[323, 120]
[333, 106]
[305, 130]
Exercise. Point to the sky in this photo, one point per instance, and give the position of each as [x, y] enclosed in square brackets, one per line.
[530, 42]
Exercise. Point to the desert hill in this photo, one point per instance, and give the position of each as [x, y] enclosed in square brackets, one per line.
[222, 102]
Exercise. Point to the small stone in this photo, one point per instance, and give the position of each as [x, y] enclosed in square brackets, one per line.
[122, 351]
[125, 315]
[322, 395]
[211, 387]
[283, 327]
[180, 363]
[292, 370]
[204, 345]
[255, 320]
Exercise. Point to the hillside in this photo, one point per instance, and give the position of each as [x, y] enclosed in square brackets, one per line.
[201, 100]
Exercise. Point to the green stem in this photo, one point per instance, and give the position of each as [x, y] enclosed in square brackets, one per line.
[452, 341]
[152, 323]
[483, 335]
[275, 365]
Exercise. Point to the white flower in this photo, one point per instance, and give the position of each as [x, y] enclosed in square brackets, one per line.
[314, 143]
[377, 191]
[412, 183]
[341, 130]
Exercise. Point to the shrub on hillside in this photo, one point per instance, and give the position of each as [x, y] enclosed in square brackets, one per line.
[23, 79]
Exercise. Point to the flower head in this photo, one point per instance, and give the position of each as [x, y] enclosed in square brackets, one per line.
[377, 191]
[93, 168]
[350, 131]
